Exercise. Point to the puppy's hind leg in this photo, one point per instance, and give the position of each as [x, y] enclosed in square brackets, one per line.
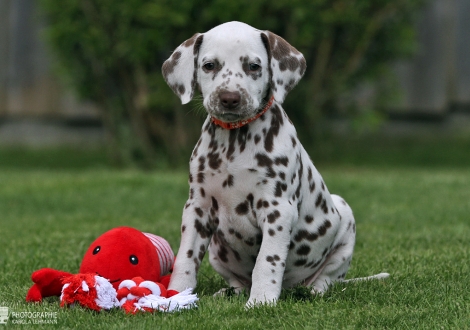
[336, 264]
[346, 213]
[334, 269]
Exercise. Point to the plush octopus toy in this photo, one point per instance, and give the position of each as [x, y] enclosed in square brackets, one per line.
[122, 268]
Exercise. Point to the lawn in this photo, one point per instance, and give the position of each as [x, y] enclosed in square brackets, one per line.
[412, 221]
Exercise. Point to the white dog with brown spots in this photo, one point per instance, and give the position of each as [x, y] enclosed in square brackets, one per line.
[256, 202]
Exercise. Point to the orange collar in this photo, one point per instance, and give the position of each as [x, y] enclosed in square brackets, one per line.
[241, 123]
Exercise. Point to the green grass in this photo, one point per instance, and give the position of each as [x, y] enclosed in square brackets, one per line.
[412, 222]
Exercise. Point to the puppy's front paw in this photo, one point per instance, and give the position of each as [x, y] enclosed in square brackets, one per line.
[254, 302]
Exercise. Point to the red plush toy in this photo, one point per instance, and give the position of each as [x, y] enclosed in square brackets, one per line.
[120, 254]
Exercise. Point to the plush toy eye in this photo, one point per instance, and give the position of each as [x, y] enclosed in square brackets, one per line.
[133, 259]
[209, 66]
[254, 67]
[96, 250]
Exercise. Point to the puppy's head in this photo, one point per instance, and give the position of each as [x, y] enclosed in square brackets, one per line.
[236, 68]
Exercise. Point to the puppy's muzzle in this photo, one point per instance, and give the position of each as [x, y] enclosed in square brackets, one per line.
[230, 108]
[230, 101]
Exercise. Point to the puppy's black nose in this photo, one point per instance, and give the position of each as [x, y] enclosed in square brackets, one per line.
[229, 100]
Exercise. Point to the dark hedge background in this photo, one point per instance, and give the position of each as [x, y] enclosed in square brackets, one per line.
[111, 52]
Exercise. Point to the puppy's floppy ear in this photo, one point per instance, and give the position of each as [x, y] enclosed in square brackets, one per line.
[287, 64]
[180, 70]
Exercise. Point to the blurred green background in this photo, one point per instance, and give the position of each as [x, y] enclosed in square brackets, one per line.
[385, 78]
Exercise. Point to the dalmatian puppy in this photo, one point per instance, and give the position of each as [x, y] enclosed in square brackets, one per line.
[256, 202]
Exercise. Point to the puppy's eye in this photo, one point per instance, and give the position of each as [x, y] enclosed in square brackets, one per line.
[209, 66]
[254, 67]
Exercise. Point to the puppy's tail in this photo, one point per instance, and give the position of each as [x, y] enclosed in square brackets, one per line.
[380, 276]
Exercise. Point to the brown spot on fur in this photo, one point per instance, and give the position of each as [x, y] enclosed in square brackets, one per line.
[303, 234]
[222, 253]
[190, 41]
[323, 228]
[281, 50]
[303, 250]
[200, 177]
[308, 218]
[276, 123]
[273, 216]
[215, 204]
[203, 230]
[291, 245]
[228, 182]
[199, 211]
[170, 64]
[294, 141]
[319, 200]
[265, 161]
[300, 262]
[279, 188]
[281, 161]
[214, 160]
[250, 241]
[242, 208]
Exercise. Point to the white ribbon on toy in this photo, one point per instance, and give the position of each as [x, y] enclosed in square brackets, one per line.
[106, 293]
[106, 296]
[180, 301]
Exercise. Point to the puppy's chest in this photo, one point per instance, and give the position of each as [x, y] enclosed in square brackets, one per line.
[234, 169]
[225, 170]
